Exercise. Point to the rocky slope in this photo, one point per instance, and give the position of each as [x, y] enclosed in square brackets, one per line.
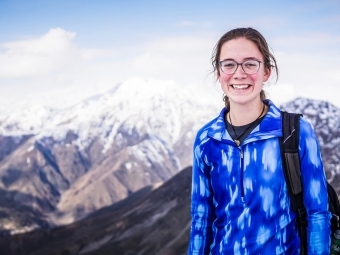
[65, 164]
[150, 221]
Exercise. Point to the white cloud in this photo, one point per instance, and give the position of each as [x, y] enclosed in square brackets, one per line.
[54, 57]
[59, 72]
[310, 63]
[309, 69]
[184, 59]
[50, 52]
[53, 69]
[89, 54]
[281, 93]
[54, 51]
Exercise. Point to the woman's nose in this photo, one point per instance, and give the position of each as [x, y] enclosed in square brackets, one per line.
[239, 73]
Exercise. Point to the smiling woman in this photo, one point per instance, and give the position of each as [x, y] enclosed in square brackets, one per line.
[240, 203]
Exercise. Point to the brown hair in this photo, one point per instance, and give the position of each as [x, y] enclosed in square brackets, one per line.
[252, 35]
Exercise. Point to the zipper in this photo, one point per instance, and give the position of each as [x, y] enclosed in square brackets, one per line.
[241, 174]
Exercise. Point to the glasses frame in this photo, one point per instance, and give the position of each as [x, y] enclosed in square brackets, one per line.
[240, 64]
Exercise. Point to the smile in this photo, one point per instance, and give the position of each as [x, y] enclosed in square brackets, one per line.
[240, 86]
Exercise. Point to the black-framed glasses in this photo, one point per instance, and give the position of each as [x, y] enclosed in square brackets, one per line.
[249, 66]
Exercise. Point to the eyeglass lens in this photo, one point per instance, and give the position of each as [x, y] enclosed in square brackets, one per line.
[249, 67]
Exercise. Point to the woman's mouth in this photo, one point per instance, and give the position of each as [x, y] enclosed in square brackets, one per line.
[240, 86]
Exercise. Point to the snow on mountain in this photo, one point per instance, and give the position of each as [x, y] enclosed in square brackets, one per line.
[137, 105]
[76, 160]
[28, 120]
[142, 107]
[139, 133]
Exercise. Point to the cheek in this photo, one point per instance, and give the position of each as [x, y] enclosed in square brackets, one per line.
[256, 78]
[224, 78]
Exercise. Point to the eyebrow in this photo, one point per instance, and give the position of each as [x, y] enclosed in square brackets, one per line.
[245, 59]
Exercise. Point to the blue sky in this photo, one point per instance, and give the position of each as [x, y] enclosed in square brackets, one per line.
[59, 52]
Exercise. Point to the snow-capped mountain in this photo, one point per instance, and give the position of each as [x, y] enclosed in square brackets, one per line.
[76, 160]
[137, 106]
[59, 165]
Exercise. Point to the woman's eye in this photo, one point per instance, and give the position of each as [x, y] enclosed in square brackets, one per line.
[250, 64]
[229, 65]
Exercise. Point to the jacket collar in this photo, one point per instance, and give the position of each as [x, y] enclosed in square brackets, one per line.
[269, 127]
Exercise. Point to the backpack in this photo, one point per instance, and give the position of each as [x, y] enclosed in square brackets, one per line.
[289, 145]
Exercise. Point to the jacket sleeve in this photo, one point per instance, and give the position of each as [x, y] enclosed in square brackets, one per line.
[202, 208]
[314, 191]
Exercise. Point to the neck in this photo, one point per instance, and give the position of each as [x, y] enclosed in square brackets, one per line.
[244, 114]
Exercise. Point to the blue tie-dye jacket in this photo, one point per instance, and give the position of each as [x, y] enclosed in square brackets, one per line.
[240, 203]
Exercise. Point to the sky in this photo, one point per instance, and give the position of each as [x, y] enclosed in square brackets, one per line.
[58, 52]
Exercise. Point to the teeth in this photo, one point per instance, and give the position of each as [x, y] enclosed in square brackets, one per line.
[241, 86]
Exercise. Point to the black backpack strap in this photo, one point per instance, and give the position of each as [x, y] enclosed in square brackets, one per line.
[289, 144]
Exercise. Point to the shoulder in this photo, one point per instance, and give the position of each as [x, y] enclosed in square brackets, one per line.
[274, 111]
[211, 129]
[308, 141]
[305, 124]
[202, 133]
[306, 128]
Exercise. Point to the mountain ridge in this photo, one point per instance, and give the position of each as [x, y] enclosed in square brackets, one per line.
[100, 151]
[135, 135]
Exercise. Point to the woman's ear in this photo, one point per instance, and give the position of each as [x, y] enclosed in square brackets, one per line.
[267, 72]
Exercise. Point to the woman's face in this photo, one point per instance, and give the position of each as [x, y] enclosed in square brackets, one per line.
[242, 88]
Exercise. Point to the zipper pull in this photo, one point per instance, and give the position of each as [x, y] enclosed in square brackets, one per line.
[241, 151]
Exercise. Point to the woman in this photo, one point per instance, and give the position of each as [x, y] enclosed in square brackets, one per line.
[240, 203]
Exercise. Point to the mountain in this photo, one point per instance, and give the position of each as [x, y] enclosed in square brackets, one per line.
[67, 163]
[58, 166]
[154, 219]
[150, 221]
